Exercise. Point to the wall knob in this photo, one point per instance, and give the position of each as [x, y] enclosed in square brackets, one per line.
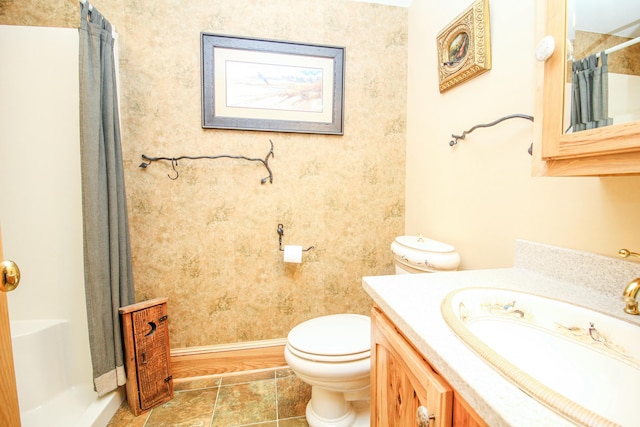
[545, 49]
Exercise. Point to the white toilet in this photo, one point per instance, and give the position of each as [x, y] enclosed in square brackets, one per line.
[417, 254]
[333, 353]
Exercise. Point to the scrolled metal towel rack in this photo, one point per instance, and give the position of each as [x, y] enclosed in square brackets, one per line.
[174, 162]
[457, 138]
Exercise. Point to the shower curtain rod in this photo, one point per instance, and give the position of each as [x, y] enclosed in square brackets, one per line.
[621, 46]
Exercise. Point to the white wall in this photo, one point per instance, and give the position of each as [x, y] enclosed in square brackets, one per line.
[40, 190]
[479, 195]
[624, 104]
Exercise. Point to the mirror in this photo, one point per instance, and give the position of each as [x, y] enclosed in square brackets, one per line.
[603, 64]
[614, 148]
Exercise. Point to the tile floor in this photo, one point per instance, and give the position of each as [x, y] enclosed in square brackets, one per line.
[275, 398]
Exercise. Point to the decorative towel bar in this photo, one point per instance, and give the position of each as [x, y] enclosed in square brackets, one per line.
[457, 138]
[174, 162]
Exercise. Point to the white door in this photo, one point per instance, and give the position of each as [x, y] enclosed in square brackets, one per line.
[40, 202]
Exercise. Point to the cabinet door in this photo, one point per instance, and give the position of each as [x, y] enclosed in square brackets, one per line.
[464, 415]
[152, 355]
[402, 381]
[610, 150]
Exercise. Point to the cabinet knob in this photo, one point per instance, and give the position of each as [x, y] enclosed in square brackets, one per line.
[423, 417]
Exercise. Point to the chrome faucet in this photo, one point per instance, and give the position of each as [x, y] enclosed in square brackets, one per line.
[630, 293]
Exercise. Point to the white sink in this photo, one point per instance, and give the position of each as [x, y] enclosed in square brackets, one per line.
[583, 364]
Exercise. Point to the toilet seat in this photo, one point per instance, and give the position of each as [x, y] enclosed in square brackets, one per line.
[334, 338]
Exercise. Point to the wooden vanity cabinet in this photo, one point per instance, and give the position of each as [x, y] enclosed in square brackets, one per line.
[402, 381]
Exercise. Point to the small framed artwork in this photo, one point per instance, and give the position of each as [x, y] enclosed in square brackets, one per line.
[464, 46]
[268, 85]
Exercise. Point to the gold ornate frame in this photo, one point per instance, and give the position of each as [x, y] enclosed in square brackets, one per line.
[464, 46]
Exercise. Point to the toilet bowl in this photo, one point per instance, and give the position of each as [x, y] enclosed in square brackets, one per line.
[333, 355]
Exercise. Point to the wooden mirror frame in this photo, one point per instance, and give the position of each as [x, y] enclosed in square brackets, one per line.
[611, 150]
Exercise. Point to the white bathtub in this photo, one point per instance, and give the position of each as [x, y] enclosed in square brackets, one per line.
[46, 392]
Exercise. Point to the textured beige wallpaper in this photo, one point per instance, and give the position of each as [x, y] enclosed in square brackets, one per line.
[208, 240]
[625, 61]
[41, 13]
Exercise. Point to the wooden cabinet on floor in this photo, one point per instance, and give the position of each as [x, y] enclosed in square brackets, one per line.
[145, 331]
[403, 383]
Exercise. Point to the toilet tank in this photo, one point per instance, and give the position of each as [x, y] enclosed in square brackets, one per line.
[418, 254]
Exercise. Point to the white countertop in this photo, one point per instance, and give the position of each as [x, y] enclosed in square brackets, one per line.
[412, 302]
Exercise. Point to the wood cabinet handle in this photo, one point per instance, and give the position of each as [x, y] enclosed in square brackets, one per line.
[423, 417]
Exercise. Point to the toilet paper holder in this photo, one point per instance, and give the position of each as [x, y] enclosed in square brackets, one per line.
[281, 233]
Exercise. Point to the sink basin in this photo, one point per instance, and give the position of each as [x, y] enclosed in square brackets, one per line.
[583, 364]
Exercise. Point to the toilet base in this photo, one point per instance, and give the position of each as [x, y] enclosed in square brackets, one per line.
[363, 413]
[330, 409]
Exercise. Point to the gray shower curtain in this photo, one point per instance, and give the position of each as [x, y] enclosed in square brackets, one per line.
[590, 93]
[107, 258]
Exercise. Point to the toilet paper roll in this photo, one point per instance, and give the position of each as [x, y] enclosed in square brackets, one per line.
[293, 253]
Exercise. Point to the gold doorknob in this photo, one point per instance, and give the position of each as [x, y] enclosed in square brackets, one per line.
[10, 276]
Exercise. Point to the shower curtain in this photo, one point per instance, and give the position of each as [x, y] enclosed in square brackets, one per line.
[590, 93]
[107, 258]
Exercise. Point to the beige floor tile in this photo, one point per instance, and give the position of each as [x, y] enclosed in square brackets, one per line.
[187, 408]
[244, 399]
[293, 422]
[246, 403]
[293, 395]
[124, 417]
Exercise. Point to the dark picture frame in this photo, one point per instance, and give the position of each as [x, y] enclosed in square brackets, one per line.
[270, 85]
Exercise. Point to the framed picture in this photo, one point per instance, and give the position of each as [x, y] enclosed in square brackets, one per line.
[464, 46]
[269, 85]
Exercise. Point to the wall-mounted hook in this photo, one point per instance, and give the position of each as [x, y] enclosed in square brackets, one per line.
[174, 163]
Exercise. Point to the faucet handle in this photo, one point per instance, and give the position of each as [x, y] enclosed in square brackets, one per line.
[630, 296]
[626, 253]
[631, 305]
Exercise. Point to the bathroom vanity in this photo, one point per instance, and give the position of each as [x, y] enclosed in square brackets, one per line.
[404, 383]
[417, 360]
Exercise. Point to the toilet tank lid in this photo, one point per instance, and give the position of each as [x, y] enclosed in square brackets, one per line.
[333, 335]
[423, 244]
